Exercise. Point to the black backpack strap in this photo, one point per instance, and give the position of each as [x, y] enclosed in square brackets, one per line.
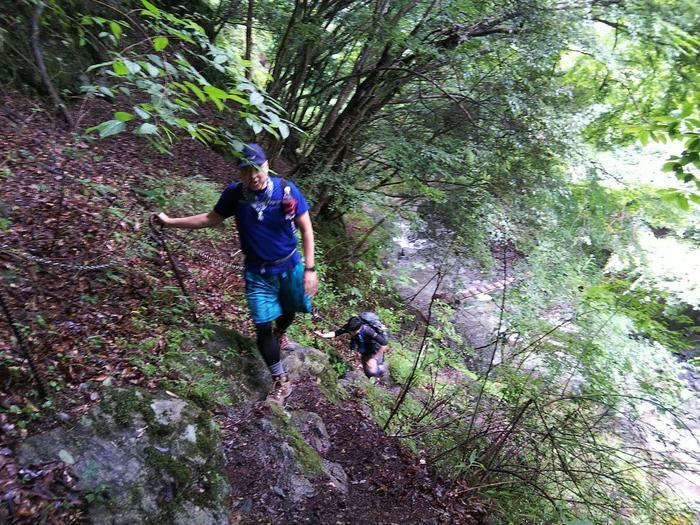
[239, 192]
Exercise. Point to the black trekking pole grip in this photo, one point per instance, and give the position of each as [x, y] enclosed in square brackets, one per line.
[155, 223]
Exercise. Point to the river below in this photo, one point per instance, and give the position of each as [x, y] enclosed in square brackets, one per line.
[476, 317]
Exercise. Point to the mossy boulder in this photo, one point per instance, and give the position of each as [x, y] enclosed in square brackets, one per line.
[232, 359]
[316, 363]
[294, 441]
[150, 457]
[313, 429]
[227, 369]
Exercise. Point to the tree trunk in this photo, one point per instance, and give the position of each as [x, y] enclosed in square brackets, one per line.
[39, 57]
[249, 37]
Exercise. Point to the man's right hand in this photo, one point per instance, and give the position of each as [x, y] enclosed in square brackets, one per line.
[161, 219]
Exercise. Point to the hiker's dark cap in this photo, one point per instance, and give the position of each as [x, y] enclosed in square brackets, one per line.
[353, 323]
[254, 156]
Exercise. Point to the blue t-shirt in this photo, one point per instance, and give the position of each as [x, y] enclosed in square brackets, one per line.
[267, 240]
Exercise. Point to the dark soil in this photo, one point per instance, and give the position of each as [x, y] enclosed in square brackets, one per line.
[387, 484]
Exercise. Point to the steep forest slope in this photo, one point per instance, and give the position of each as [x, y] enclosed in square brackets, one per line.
[511, 186]
[93, 331]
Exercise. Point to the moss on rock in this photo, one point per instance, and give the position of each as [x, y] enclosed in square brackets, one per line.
[165, 463]
[317, 364]
[308, 459]
[127, 404]
[158, 456]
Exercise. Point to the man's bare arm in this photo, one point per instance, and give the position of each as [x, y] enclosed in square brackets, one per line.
[303, 222]
[193, 222]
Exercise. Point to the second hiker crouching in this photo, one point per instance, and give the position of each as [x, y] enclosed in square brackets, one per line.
[369, 337]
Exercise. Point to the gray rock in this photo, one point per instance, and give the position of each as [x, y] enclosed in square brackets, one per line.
[300, 488]
[290, 482]
[191, 514]
[295, 442]
[336, 474]
[168, 411]
[313, 429]
[155, 458]
[352, 379]
[294, 365]
[241, 365]
[306, 360]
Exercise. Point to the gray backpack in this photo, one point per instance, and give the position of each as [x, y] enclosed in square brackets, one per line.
[371, 319]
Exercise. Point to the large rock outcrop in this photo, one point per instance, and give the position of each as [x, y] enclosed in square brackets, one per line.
[152, 457]
[142, 457]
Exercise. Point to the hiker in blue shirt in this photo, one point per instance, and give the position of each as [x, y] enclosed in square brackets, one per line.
[369, 337]
[267, 211]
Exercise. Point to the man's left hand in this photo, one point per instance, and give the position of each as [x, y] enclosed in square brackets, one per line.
[310, 283]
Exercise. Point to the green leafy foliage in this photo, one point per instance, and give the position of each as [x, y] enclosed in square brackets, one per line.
[99, 495]
[175, 87]
[662, 106]
[576, 346]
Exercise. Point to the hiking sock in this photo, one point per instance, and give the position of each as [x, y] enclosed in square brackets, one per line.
[277, 369]
[268, 345]
[283, 322]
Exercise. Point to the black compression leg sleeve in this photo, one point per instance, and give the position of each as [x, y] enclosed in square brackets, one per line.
[267, 344]
[284, 321]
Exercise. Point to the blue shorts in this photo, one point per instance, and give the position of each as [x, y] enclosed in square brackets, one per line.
[377, 356]
[269, 296]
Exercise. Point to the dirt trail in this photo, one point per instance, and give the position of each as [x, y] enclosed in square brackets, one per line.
[386, 484]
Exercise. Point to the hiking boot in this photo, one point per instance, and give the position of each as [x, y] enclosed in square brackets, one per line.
[285, 343]
[281, 388]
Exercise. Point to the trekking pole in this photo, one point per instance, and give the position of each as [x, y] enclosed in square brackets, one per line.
[159, 238]
[22, 345]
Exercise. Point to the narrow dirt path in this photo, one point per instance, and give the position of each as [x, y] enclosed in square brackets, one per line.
[386, 484]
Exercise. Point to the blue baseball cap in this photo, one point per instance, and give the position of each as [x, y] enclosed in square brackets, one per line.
[254, 156]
